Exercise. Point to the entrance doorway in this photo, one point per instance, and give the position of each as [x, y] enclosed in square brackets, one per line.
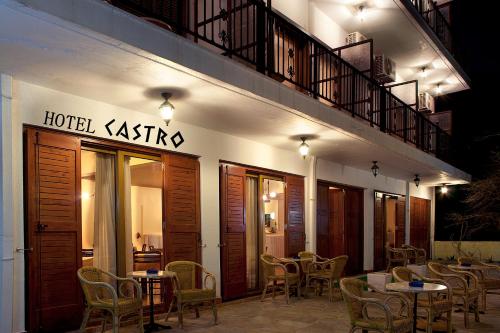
[420, 223]
[339, 224]
[389, 225]
[92, 202]
[261, 212]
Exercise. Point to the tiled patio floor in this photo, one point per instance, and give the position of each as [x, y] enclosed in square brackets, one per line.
[313, 314]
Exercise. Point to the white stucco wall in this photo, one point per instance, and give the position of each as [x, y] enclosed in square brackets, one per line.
[296, 10]
[30, 102]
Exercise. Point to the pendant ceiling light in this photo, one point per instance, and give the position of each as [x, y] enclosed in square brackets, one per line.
[266, 196]
[166, 108]
[375, 168]
[304, 148]
[416, 180]
[444, 189]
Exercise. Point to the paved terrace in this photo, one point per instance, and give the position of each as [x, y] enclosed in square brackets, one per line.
[311, 315]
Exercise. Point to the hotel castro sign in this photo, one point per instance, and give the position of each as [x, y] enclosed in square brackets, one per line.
[114, 129]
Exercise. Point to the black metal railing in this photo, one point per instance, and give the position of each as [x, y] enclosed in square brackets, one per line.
[255, 35]
[431, 13]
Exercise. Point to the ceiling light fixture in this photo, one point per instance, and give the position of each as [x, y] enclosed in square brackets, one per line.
[266, 196]
[444, 189]
[304, 148]
[439, 89]
[416, 180]
[375, 168]
[424, 72]
[166, 108]
[361, 13]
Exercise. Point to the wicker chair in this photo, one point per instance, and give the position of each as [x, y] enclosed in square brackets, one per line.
[464, 286]
[434, 304]
[489, 277]
[415, 255]
[100, 294]
[307, 258]
[329, 271]
[387, 312]
[395, 257]
[185, 291]
[276, 270]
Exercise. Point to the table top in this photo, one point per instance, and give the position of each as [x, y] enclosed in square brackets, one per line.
[145, 275]
[405, 287]
[469, 268]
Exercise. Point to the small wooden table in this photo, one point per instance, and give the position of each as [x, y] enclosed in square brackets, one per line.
[404, 287]
[150, 278]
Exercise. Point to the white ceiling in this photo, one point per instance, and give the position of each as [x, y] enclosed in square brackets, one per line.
[399, 37]
[49, 55]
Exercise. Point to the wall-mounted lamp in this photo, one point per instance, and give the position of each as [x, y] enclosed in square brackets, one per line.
[444, 189]
[375, 168]
[166, 108]
[304, 148]
[416, 180]
[361, 13]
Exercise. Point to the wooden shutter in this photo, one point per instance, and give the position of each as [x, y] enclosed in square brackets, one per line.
[353, 227]
[52, 175]
[294, 205]
[379, 233]
[322, 221]
[420, 214]
[400, 221]
[182, 208]
[337, 222]
[233, 235]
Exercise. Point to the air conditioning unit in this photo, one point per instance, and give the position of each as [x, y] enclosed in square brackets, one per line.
[385, 69]
[355, 37]
[425, 102]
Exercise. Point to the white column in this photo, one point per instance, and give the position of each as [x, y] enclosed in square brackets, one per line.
[310, 209]
[407, 214]
[433, 220]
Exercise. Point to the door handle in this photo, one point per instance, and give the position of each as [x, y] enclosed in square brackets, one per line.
[41, 227]
[24, 250]
[221, 245]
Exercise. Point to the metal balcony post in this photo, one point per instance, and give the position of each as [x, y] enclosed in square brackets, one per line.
[261, 38]
[405, 123]
[383, 111]
[353, 92]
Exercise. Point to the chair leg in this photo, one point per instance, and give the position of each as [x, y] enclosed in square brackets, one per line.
[448, 323]
[466, 313]
[298, 289]
[171, 306]
[197, 312]
[483, 300]
[180, 309]
[274, 289]
[265, 291]
[330, 290]
[86, 315]
[116, 323]
[476, 310]
[287, 295]
[214, 310]
[141, 322]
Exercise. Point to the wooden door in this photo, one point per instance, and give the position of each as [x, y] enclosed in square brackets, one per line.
[53, 230]
[379, 233]
[322, 221]
[295, 235]
[420, 217]
[353, 227]
[400, 221]
[233, 231]
[182, 208]
[337, 222]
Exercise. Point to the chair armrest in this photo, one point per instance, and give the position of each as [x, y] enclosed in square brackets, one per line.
[123, 282]
[455, 277]
[448, 290]
[290, 262]
[367, 302]
[107, 287]
[212, 279]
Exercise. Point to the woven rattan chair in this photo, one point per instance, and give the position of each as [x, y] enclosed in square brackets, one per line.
[307, 258]
[328, 271]
[488, 276]
[395, 257]
[185, 291]
[276, 271]
[100, 294]
[415, 255]
[434, 304]
[464, 286]
[387, 312]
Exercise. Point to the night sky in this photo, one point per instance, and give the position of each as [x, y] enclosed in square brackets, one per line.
[476, 112]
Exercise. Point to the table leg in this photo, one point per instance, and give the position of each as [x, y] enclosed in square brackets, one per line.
[415, 313]
[152, 326]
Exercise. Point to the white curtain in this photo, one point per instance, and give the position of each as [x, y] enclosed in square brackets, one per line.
[251, 230]
[104, 214]
[127, 200]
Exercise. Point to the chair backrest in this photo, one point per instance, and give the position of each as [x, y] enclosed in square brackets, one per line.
[404, 274]
[93, 293]
[468, 260]
[306, 259]
[267, 268]
[185, 272]
[352, 290]
[338, 265]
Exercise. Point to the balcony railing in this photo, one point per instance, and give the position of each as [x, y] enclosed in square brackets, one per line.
[252, 33]
[431, 13]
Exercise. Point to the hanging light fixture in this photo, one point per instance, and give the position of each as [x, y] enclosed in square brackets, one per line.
[361, 13]
[439, 89]
[304, 148]
[166, 108]
[266, 196]
[416, 180]
[424, 72]
[444, 189]
[375, 169]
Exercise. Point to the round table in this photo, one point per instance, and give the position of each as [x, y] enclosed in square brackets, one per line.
[404, 287]
[150, 278]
